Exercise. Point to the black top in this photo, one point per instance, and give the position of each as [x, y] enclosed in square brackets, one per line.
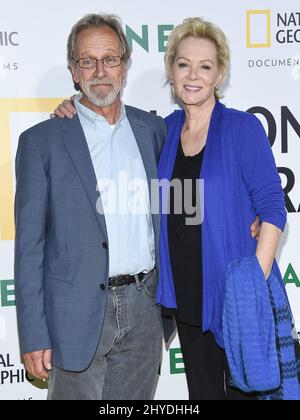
[185, 239]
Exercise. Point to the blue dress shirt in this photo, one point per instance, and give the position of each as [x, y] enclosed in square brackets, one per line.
[124, 191]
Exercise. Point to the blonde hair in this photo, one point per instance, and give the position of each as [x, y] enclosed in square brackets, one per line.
[198, 28]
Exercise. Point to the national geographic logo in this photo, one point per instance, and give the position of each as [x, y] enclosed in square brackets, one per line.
[258, 28]
[288, 28]
[265, 28]
[7, 107]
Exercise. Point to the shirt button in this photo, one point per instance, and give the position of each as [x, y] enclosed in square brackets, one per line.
[104, 245]
[102, 286]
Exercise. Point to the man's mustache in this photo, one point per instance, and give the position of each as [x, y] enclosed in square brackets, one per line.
[108, 82]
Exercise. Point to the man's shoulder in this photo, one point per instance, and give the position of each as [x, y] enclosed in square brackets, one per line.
[45, 128]
[142, 115]
[49, 133]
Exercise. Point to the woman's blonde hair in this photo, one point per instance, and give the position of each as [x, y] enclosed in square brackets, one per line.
[198, 28]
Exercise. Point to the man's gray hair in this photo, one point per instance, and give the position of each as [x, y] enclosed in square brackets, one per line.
[97, 20]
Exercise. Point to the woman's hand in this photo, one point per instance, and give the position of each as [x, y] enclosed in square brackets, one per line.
[255, 229]
[65, 109]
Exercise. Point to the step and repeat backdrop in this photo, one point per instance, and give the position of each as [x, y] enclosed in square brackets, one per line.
[264, 79]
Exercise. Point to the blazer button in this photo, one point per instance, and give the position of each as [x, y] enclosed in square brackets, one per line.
[104, 244]
[102, 286]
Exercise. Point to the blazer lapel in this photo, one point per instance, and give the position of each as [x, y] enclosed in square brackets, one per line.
[145, 144]
[77, 147]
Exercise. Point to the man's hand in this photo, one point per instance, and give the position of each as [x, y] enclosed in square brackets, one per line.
[255, 229]
[65, 109]
[38, 363]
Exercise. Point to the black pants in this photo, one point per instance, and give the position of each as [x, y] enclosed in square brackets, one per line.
[206, 366]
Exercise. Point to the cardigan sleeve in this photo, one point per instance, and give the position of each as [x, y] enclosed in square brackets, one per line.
[260, 174]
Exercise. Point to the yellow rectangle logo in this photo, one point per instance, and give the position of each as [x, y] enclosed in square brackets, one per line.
[258, 28]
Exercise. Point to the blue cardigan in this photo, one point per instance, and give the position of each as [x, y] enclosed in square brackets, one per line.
[240, 182]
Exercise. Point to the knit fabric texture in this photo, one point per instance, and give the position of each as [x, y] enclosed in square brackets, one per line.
[258, 328]
[288, 348]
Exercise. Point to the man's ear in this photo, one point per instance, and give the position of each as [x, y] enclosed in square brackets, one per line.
[75, 78]
[74, 75]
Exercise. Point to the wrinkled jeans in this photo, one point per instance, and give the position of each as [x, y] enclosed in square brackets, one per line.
[126, 363]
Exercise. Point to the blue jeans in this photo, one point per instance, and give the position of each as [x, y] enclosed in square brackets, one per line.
[126, 363]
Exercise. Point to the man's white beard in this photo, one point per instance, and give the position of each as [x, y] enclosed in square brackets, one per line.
[102, 99]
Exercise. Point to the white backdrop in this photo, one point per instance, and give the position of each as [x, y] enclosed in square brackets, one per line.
[264, 38]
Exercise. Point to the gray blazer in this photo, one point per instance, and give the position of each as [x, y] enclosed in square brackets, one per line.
[61, 246]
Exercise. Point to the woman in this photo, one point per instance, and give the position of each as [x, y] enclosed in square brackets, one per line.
[229, 150]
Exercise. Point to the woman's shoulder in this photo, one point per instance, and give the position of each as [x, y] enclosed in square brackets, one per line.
[174, 116]
[242, 127]
[237, 117]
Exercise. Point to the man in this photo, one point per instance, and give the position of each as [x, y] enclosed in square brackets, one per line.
[85, 274]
